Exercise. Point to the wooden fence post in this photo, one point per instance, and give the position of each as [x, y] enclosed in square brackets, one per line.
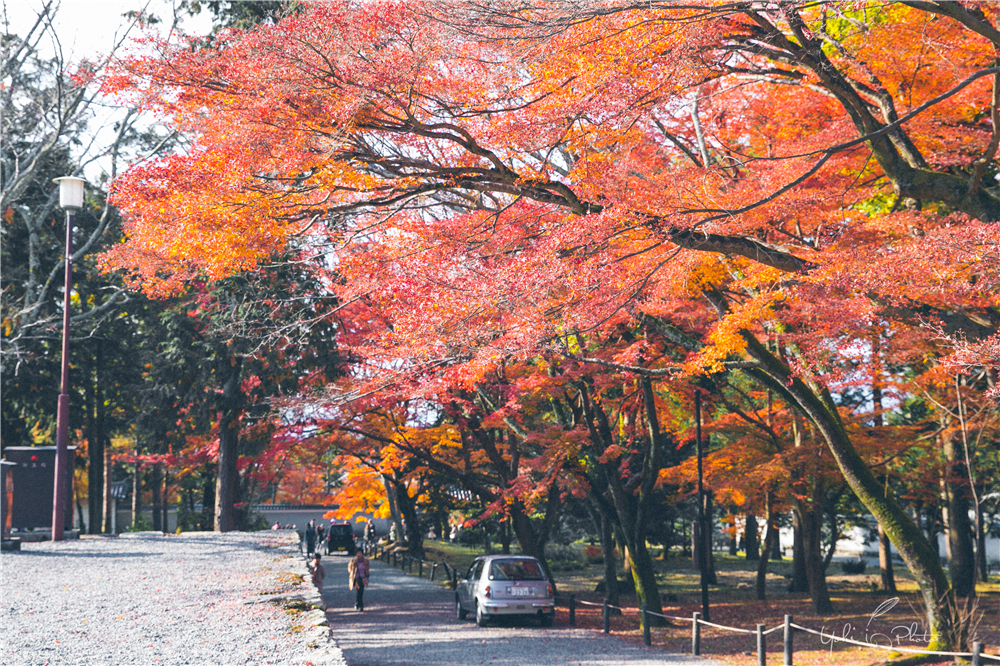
[761, 646]
[647, 640]
[420, 567]
[607, 617]
[788, 641]
[696, 634]
[572, 610]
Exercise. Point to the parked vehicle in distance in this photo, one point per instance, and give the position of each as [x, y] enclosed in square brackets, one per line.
[340, 537]
[505, 585]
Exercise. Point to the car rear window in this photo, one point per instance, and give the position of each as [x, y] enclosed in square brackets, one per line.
[516, 569]
[340, 530]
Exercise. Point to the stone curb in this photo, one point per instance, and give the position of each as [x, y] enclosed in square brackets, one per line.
[316, 634]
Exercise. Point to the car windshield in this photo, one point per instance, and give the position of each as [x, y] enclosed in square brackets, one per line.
[516, 569]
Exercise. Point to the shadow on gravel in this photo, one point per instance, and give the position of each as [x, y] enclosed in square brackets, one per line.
[77, 553]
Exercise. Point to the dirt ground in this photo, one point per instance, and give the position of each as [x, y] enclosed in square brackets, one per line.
[862, 612]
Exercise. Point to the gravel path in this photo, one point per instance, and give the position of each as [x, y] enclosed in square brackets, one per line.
[411, 621]
[148, 599]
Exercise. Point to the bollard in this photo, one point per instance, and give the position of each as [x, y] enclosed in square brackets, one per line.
[420, 567]
[395, 558]
[761, 646]
[788, 641]
[572, 610]
[647, 640]
[434, 570]
[607, 617]
[696, 634]
[977, 654]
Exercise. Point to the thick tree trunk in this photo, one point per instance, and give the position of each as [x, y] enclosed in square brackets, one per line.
[776, 554]
[811, 519]
[227, 483]
[922, 559]
[885, 562]
[414, 533]
[397, 518]
[750, 539]
[962, 563]
[800, 580]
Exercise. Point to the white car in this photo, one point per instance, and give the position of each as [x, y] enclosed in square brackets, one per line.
[505, 585]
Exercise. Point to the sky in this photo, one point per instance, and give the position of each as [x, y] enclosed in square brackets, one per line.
[88, 28]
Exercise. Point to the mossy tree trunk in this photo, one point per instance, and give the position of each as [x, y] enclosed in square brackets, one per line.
[921, 557]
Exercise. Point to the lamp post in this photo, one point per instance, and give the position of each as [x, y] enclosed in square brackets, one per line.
[70, 199]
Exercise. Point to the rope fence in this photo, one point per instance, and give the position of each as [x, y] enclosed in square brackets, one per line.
[407, 562]
[977, 656]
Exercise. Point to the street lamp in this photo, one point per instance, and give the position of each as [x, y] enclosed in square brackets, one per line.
[71, 199]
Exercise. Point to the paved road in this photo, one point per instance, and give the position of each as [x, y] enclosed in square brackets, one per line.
[411, 621]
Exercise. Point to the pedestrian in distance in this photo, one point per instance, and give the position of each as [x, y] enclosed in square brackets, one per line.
[357, 570]
[319, 573]
[320, 536]
[310, 538]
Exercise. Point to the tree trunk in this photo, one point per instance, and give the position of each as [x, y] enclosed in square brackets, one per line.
[734, 540]
[165, 503]
[156, 481]
[227, 483]
[885, 562]
[962, 564]
[770, 536]
[980, 525]
[776, 554]
[505, 535]
[800, 580]
[611, 592]
[109, 504]
[136, 494]
[208, 501]
[397, 519]
[750, 539]
[811, 518]
[414, 533]
[95, 451]
[709, 531]
[943, 621]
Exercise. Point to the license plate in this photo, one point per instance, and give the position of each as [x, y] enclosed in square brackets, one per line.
[520, 591]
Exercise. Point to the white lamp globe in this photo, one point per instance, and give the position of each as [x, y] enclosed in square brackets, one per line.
[70, 192]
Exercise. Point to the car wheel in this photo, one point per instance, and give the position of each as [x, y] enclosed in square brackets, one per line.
[482, 619]
[546, 620]
[459, 611]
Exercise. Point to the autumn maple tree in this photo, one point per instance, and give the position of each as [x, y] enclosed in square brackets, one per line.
[762, 184]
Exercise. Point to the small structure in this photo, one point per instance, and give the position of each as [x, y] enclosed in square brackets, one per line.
[6, 496]
[33, 479]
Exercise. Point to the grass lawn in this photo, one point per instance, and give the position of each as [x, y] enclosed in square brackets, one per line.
[855, 599]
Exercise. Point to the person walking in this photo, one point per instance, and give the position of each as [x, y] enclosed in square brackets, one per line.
[319, 573]
[357, 570]
[311, 538]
